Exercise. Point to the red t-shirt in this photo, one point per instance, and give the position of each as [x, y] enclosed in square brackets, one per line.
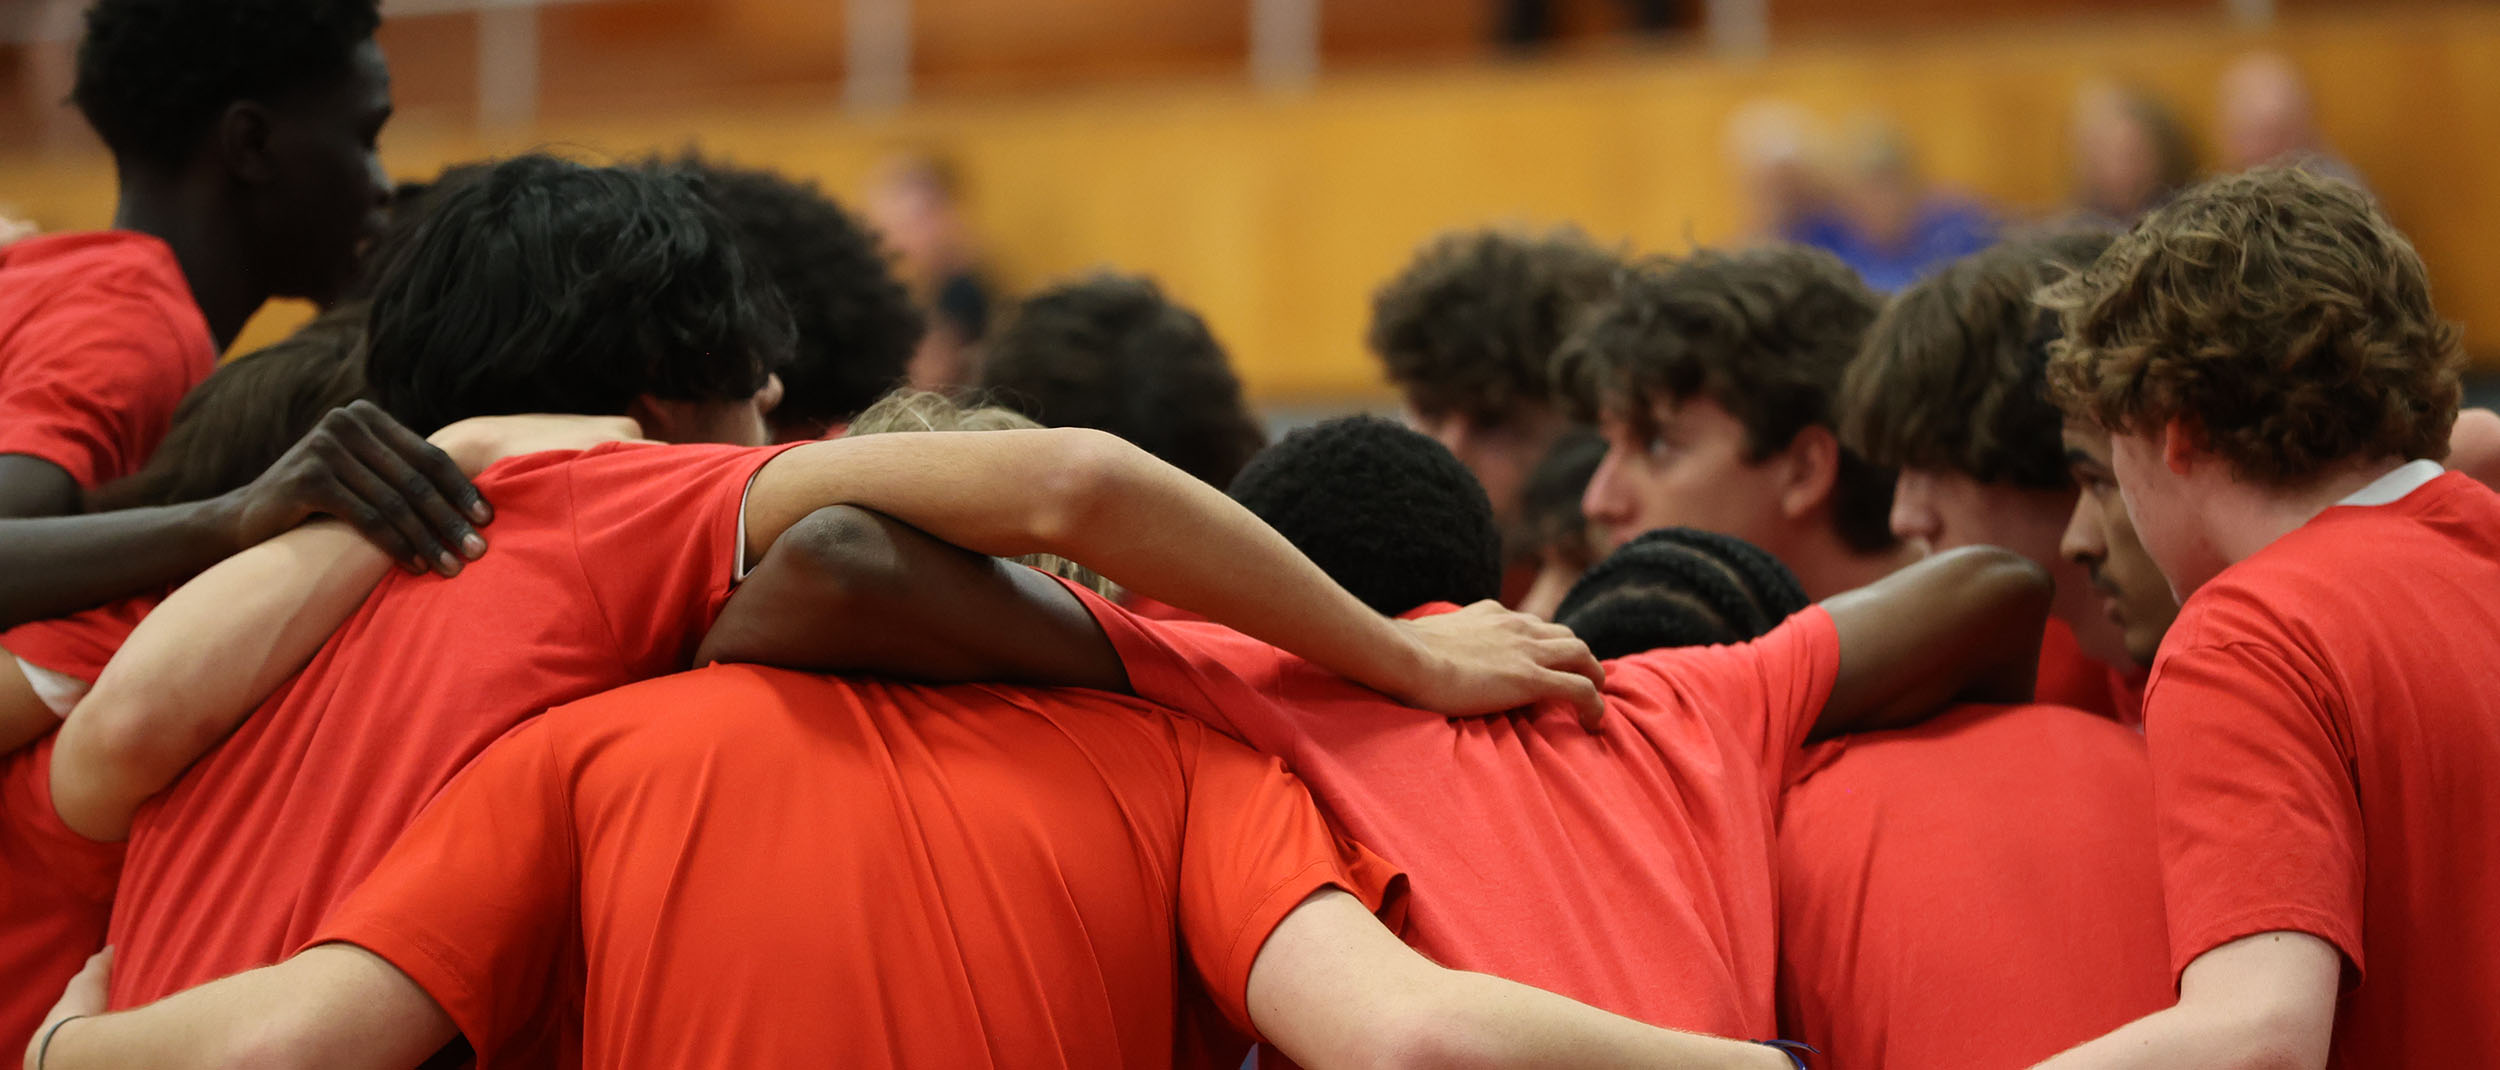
[99, 340]
[1979, 892]
[80, 644]
[56, 889]
[1630, 870]
[764, 868]
[2070, 677]
[607, 566]
[2325, 730]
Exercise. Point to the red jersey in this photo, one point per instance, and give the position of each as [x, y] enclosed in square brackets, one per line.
[99, 340]
[1980, 892]
[746, 867]
[56, 889]
[607, 567]
[2070, 677]
[2325, 730]
[78, 645]
[1630, 870]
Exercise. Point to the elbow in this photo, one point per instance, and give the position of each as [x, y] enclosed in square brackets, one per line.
[846, 553]
[1090, 474]
[2016, 583]
[1433, 1035]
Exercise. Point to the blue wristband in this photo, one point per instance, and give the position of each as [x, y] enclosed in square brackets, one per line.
[1795, 1051]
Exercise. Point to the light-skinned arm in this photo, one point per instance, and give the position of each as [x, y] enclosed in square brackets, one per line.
[1331, 987]
[332, 1006]
[1094, 499]
[2263, 1002]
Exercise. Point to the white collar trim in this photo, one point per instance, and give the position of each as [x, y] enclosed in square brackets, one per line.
[2393, 486]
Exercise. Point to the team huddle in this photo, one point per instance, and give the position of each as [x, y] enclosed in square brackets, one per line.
[570, 649]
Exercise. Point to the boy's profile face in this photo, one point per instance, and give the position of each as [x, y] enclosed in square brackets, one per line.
[1684, 463]
[2101, 538]
[327, 191]
[1500, 448]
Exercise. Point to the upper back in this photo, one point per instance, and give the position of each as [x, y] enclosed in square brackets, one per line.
[605, 567]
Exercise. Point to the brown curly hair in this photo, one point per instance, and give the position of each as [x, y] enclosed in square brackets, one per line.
[2279, 314]
[1471, 325]
[1765, 332]
[1953, 375]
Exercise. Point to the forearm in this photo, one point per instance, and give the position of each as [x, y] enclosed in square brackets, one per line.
[333, 1007]
[2181, 1039]
[1490, 1022]
[1963, 625]
[54, 566]
[1101, 502]
[202, 662]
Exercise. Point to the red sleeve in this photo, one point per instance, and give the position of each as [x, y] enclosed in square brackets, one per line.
[80, 644]
[1254, 847]
[658, 532]
[1768, 692]
[1199, 669]
[92, 384]
[33, 841]
[2260, 822]
[475, 901]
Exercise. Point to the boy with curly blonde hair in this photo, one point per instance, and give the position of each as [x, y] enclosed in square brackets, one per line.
[2323, 719]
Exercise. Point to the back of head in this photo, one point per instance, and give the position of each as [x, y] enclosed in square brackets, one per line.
[1766, 333]
[857, 326]
[1384, 510]
[246, 415]
[544, 285]
[1112, 353]
[2318, 347]
[905, 411]
[154, 75]
[1953, 375]
[1679, 587]
[1470, 327]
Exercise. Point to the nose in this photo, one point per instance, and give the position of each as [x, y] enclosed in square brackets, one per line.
[1605, 501]
[2082, 542]
[1914, 513]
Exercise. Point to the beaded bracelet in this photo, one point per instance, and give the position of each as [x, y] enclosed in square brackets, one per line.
[1795, 1051]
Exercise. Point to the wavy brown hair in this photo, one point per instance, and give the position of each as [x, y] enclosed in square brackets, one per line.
[1469, 327]
[2279, 315]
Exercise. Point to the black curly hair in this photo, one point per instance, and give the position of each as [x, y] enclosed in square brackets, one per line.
[153, 75]
[1469, 328]
[857, 325]
[543, 285]
[1383, 509]
[1679, 587]
[1112, 353]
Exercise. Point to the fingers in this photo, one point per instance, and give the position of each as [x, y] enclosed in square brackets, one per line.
[353, 493]
[1588, 704]
[427, 476]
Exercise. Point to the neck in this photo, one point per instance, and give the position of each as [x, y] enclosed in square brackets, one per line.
[2246, 517]
[187, 218]
[1826, 566]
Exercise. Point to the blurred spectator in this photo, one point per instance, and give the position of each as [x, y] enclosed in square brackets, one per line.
[1776, 150]
[1112, 353]
[2130, 153]
[2267, 118]
[1890, 225]
[915, 203]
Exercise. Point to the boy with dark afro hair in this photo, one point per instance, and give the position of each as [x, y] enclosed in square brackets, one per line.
[1467, 333]
[1111, 352]
[857, 326]
[1680, 587]
[243, 136]
[1386, 510]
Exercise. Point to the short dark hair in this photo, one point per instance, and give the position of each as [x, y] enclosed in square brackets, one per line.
[1382, 509]
[857, 325]
[2276, 311]
[247, 414]
[1679, 587]
[1766, 333]
[545, 285]
[153, 75]
[1110, 352]
[1954, 373]
[1471, 325]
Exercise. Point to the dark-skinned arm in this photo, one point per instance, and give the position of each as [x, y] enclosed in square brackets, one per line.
[1960, 626]
[358, 465]
[32, 486]
[846, 590]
